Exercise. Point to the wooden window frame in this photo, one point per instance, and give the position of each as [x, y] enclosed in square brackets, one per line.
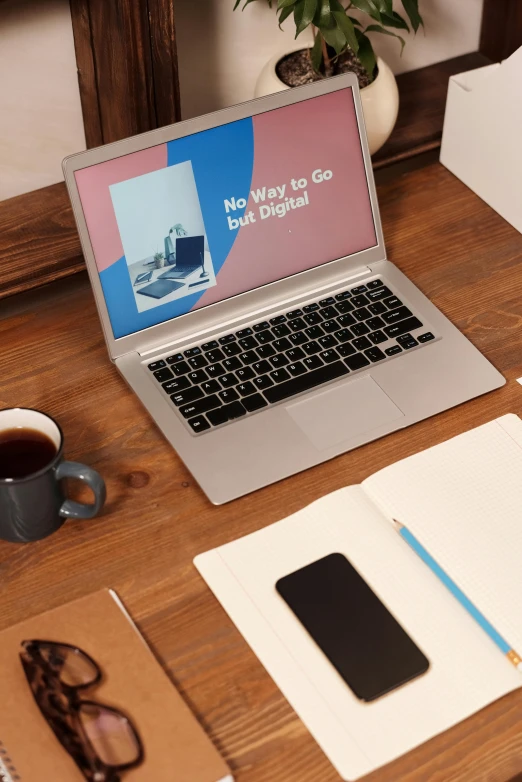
[128, 77]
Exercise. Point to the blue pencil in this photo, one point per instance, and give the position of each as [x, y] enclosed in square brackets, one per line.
[472, 610]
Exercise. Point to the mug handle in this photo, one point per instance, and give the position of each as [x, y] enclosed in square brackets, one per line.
[79, 510]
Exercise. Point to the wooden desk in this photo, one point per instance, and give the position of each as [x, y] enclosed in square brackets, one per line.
[52, 356]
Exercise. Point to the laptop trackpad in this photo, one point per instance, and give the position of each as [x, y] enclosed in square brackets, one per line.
[344, 412]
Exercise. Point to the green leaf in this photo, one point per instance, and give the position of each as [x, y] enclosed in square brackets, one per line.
[335, 38]
[366, 54]
[369, 7]
[317, 53]
[304, 13]
[285, 3]
[285, 13]
[376, 28]
[323, 15]
[347, 29]
[395, 20]
[412, 9]
[355, 21]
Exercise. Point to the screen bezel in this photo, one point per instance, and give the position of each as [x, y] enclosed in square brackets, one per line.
[200, 320]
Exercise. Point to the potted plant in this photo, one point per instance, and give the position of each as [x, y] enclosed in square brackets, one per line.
[341, 44]
[159, 260]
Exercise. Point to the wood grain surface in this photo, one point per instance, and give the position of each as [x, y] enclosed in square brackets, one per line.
[52, 356]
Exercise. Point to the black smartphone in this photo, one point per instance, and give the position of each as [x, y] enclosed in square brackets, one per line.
[363, 641]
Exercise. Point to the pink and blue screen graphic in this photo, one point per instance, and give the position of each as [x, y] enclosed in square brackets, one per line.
[202, 218]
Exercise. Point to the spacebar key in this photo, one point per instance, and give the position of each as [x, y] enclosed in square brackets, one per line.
[305, 382]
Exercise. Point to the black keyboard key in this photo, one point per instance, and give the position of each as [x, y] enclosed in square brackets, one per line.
[232, 350]
[343, 335]
[249, 357]
[210, 345]
[313, 362]
[330, 326]
[262, 367]
[327, 302]
[360, 301]
[199, 376]
[374, 354]
[362, 314]
[314, 332]
[163, 374]
[379, 293]
[306, 382]
[264, 336]
[407, 341]
[377, 337]
[374, 284]
[394, 316]
[296, 369]
[360, 329]
[218, 416]
[265, 351]
[200, 406]
[343, 296]
[210, 387]
[361, 343]
[344, 306]
[328, 356]
[279, 375]
[345, 350]
[310, 348]
[262, 326]
[189, 395]
[192, 352]
[227, 381]
[297, 324]
[298, 338]
[157, 365]
[329, 312]
[180, 369]
[356, 362]
[175, 358]
[378, 308]
[281, 331]
[425, 337]
[279, 361]
[244, 333]
[228, 395]
[393, 302]
[358, 290]
[235, 410]
[231, 364]
[294, 314]
[263, 382]
[173, 386]
[311, 308]
[403, 327]
[199, 424]
[346, 320]
[296, 354]
[375, 323]
[247, 373]
[197, 362]
[277, 320]
[312, 318]
[246, 388]
[226, 340]
[393, 350]
[248, 343]
[329, 341]
[254, 402]
[215, 370]
[215, 355]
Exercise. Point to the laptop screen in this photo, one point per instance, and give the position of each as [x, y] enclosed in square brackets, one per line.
[185, 224]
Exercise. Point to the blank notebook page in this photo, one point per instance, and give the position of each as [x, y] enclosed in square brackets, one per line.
[463, 501]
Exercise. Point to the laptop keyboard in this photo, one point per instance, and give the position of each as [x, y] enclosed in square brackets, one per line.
[258, 366]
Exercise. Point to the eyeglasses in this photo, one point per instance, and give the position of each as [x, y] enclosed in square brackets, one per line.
[102, 741]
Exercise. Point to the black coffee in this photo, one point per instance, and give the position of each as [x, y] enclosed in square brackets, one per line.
[24, 452]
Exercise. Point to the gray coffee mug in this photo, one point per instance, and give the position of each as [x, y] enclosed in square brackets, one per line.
[34, 507]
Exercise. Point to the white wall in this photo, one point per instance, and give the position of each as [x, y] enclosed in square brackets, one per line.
[222, 51]
[40, 111]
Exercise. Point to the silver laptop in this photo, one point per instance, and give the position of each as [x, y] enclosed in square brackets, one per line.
[295, 339]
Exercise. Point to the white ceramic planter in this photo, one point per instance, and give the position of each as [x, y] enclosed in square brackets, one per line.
[380, 99]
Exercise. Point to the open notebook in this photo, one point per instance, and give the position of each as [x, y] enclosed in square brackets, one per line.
[463, 501]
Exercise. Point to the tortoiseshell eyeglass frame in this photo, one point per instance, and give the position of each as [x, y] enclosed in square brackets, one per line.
[60, 705]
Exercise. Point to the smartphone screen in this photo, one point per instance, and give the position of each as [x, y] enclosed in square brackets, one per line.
[363, 641]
